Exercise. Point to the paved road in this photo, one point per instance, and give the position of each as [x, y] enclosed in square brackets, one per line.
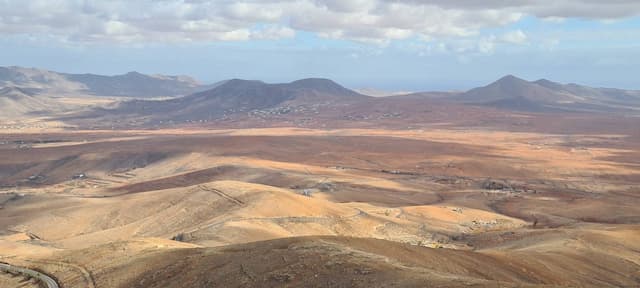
[48, 281]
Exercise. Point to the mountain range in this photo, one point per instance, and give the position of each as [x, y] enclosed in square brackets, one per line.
[17, 102]
[236, 97]
[132, 84]
[29, 91]
[542, 95]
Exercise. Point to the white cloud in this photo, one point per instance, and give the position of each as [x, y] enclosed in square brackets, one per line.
[487, 45]
[273, 32]
[373, 21]
[515, 37]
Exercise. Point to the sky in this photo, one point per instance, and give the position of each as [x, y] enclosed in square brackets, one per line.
[392, 45]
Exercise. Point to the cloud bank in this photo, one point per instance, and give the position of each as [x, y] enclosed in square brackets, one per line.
[376, 21]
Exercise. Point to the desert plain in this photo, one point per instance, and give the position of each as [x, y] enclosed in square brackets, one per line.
[322, 207]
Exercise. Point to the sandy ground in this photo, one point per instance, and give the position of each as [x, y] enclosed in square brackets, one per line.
[8, 280]
[157, 208]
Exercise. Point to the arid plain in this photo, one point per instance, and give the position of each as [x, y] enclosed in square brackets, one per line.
[477, 206]
[395, 192]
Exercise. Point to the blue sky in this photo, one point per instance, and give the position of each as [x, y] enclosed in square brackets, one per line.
[382, 44]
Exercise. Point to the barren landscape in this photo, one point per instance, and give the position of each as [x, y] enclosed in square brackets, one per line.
[319, 143]
[311, 184]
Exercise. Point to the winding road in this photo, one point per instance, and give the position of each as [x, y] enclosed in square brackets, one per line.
[48, 281]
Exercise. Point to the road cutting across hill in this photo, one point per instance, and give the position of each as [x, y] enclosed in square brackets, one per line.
[45, 279]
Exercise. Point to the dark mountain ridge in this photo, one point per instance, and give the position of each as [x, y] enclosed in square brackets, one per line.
[513, 93]
[236, 96]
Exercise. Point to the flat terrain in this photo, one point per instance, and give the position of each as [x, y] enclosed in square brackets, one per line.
[453, 206]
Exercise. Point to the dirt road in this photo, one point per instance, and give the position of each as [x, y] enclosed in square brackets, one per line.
[48, 281]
